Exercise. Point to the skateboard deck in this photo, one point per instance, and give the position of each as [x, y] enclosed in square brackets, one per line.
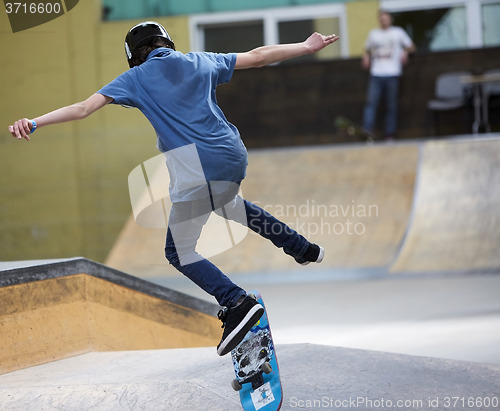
[351, 129]
[256, 367]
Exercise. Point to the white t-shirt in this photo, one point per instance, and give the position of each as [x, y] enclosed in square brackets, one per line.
[386, 48]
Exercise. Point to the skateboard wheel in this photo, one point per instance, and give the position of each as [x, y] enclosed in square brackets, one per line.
[236, 385]
[266, 368]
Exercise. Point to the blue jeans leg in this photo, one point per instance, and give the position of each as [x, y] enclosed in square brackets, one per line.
[391, 107]
[206, 275]
[373, 95]
[269, 227]
[378, 87]
[186, 223]
[182, 255]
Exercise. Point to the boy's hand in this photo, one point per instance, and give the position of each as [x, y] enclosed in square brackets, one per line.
[317, 41]
[21, 129]
[365, 61]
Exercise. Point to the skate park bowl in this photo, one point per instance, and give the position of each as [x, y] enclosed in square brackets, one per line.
[79, 335]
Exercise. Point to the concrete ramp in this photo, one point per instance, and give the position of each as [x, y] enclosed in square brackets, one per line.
[455, 223]
[354, 200]
[412, 207]
[314, 377]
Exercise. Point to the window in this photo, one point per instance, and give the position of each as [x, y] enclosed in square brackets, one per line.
[436, 25]
[491, 26]
[435, 29]
[294, 31]
[227, 38]
[243, 31]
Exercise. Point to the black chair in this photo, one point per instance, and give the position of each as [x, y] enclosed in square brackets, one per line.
[450, 94]
[489, 90]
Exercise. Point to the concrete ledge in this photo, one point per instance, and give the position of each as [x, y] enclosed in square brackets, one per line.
[313, 376]
[61, 309]
[40, 270]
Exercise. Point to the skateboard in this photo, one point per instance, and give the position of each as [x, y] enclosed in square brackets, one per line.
[256, 367]
[351, 129]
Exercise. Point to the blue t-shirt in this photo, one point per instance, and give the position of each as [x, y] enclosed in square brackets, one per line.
[176, 92]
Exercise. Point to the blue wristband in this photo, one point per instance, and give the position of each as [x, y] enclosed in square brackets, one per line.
[33, 128]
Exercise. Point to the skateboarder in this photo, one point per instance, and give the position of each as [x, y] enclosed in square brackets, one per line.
[176, 92]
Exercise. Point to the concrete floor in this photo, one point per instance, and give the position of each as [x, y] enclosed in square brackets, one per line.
[312, 377]
[444, 316]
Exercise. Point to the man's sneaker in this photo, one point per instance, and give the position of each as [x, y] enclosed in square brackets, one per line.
[237, 321]
[313, 254]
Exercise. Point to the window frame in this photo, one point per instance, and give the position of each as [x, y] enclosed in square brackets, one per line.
[473, 15]
[271, 18]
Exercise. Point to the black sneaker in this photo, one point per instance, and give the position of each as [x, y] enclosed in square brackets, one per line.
[313, 254]
[237, 321]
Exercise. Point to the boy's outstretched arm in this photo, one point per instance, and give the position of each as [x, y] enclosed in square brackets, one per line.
[265, 55]
[22, 128]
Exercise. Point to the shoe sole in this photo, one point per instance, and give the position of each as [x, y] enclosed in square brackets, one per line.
[319, 259]
[233, 339]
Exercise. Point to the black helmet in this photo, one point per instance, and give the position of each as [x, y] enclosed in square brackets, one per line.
[139, 34]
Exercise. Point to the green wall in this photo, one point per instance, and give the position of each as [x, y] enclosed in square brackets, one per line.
[127, 9]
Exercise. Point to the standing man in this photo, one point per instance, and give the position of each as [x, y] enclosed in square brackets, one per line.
[386, 51]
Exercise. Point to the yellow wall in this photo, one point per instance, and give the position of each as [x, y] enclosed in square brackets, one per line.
[361, 18]
[65, 192]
